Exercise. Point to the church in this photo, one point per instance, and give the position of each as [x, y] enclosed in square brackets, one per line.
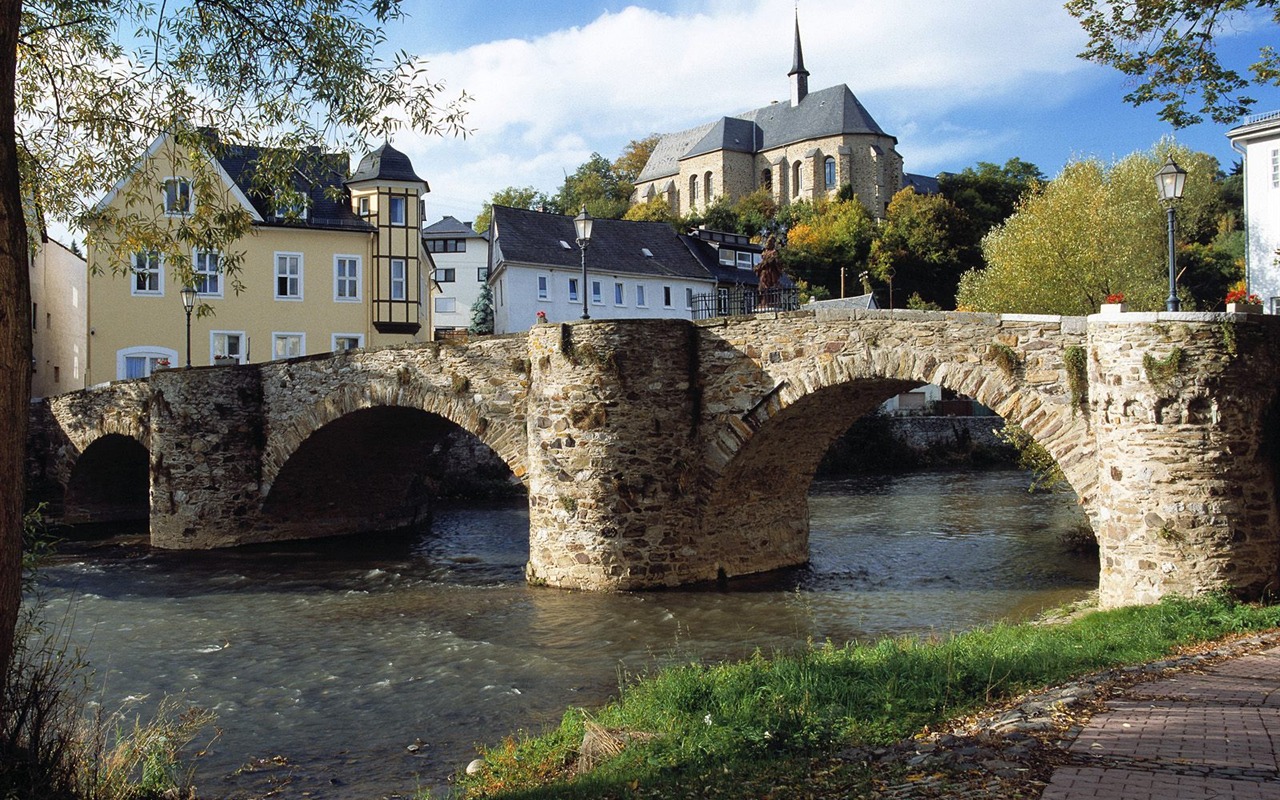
[804, 149]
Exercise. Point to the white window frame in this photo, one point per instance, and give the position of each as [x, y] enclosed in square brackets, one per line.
[134, 272]
[440, 310]
[446, 274]
[277, 336]
[201, 257]
[668, 297]
[172, 203]
[339, 278]
[143, 351]
[333, 341]
[572, 286]
[745, 259]
[362, 206]
[276, 275]
[688, 298]
[391, 210]
[619, 294]
[641, 300]
[402, 282]
[597, 293]
[728, 257]
[241, 358]
[1275, 168]
[298, 209]
[543, 283]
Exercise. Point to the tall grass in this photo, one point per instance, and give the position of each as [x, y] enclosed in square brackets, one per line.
[830, 697]
[52, 748]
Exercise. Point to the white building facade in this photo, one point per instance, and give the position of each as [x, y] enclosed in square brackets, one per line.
[1258, 141]
[461, 259]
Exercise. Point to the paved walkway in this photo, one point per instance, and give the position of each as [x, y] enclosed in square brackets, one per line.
[1193, 736]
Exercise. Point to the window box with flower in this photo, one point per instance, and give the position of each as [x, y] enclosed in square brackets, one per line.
[1240, 301]
[1115, 304]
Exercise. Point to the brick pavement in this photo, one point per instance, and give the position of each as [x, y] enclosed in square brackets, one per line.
[1193, 736]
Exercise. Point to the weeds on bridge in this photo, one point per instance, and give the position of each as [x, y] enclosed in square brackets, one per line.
[715, 725]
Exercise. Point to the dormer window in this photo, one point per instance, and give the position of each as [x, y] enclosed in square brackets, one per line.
[177, 196]
[727, 256]
[290, 205]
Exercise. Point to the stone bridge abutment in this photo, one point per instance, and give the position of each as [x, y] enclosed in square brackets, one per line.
[664, 452]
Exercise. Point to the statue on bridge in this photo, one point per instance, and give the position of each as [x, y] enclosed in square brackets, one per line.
[769, 270]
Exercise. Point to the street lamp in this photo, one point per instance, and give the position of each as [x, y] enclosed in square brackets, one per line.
[582, 224]
[188, 304]
[1170, 180]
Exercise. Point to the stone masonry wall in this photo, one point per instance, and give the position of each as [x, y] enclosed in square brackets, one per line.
[613, 454]
[1184, 411]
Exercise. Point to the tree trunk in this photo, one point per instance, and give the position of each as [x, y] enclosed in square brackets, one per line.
[15, 339]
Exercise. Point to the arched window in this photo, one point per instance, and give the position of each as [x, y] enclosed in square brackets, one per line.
[140, 362]
[829, 170]
[796, 184]
[706, 187]
[766, 179]
[693, 191]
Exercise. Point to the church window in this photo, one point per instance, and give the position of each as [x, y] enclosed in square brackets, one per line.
[796, 183]
[829, 170]
[693, 190]
[766, 179]
[707, 187]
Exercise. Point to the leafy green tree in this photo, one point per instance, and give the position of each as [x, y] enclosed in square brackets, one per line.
[924, 245]
[988, 193]
[826, 237]
[757, 213]
[525, 197]
[1169, 48]
[86, 85]
[1091, 232]
[595, 186]
[482, 313]
[654, 210]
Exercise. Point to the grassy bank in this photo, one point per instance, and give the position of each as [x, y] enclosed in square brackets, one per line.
[725, 730]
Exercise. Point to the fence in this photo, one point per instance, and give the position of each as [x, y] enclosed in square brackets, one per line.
[744, 300]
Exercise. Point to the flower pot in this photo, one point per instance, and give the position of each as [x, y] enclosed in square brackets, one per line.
[1114, 308]
[1244, 308]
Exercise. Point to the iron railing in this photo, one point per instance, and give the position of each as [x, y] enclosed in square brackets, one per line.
[738, 300]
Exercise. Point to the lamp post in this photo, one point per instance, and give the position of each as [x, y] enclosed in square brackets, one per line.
[582, 224]
[1170, 180]
[188, 304]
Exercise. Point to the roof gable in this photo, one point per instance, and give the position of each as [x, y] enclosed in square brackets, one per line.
[317, 176]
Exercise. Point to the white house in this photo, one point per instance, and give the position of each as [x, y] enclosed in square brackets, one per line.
[1258, 141]
[635, 270]
[461, 258]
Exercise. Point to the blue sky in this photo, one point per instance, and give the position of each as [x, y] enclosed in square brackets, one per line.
[956, 81]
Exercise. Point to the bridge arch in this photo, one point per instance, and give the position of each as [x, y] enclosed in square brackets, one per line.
[820, 378]
[109, 482]
[504, 437]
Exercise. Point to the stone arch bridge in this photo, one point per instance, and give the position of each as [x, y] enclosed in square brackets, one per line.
[664, 452]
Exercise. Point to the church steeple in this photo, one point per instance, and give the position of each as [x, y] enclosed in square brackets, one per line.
[799, 75]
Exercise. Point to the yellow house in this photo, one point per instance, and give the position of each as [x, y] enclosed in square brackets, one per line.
[331, 262]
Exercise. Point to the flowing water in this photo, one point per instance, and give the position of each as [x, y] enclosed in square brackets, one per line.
[324, 662]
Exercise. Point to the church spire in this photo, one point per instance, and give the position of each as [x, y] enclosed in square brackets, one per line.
[799, 75]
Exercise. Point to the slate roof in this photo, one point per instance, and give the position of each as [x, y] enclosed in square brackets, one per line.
[834, 111]
[386, 164]
[535, 237]
[316, 175]
[452, 228]
[923, 184]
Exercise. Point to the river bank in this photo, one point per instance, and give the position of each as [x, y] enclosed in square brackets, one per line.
[894, 719]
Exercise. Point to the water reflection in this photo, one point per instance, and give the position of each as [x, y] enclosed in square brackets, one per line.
[337, 657]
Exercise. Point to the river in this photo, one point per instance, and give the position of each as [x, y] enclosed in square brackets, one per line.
[335, 657]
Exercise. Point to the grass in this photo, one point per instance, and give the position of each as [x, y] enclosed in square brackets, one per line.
[707, 731]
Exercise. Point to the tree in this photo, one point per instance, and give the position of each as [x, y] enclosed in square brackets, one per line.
[525, 197]
[1091, 232]
[595, 186]
[79, 106]
[482, 313]
[1169, 47]
[988, 194]
[828, 236]
[635, 155]
[924, 244]
[656, 209]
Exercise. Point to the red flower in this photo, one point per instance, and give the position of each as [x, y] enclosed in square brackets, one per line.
[1115, 297]
[1242, 296]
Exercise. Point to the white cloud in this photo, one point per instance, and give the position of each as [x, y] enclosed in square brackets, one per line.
[543, 104]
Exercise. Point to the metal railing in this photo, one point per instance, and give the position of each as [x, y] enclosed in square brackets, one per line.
[1261, 117]
[744, 300]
